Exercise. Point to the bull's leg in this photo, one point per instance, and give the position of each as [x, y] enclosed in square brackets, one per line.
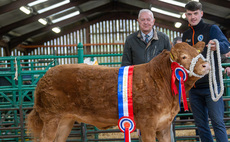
[164, 135]
[148, 134]
[49, 130]
[64, 128]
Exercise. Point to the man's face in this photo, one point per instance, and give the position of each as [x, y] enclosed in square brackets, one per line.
[194, 17]
[146, 22]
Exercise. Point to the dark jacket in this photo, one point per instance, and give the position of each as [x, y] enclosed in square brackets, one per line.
[206, 32]
[136, 51]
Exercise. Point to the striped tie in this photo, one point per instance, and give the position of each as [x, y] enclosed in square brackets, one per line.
[146, 38]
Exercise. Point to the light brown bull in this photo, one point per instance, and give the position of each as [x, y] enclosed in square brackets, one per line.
[88, 94]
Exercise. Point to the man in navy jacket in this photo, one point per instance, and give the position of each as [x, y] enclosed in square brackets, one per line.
[200, 97]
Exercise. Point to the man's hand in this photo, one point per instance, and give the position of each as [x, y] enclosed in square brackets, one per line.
[227, 54]
[227, 70]
[213, 45]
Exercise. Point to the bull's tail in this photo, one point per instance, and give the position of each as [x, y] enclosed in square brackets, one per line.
[34, 124]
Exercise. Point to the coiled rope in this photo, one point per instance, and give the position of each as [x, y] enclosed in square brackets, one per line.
[212, 75]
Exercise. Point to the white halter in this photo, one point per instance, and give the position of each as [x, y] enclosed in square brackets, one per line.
[212, 75]
[192, 65]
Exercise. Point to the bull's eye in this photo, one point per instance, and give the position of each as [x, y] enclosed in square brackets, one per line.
[184, 57]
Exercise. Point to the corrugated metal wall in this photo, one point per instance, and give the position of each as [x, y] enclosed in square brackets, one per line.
[111, 31]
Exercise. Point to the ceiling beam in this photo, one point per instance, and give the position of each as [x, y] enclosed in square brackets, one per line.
[14, 5]
[107, 7]
[3, 43]
[165, 5]
[110, 7]
[84, 24]
[223, 3]
[115, 7]
[169, 18]
[7, 28]
[219, 20]
[105, 16]
[17, 40]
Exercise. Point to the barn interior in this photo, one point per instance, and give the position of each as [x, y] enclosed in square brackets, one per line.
[36, 35]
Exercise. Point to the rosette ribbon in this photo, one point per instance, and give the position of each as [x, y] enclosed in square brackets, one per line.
[179, 73]
[125, 102]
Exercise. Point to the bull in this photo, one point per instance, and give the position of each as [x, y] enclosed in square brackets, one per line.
[88, 94]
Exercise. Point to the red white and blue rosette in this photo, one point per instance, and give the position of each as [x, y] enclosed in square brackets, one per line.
[127, 126]
[179, 73]
[126, 122]
[125, 103]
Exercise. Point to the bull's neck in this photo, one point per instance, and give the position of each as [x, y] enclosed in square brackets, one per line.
[190, 83]
[160, 68]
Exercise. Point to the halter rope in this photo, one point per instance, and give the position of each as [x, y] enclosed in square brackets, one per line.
[212, 75]
[192, 65]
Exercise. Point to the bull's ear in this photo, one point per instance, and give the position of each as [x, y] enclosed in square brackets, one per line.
[199, 46]
[173, 53]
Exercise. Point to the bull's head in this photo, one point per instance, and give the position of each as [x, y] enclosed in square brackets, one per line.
[190, 58]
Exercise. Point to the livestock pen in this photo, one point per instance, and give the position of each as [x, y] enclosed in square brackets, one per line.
[16, 98]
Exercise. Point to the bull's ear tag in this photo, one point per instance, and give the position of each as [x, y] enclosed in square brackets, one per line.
[171, 56]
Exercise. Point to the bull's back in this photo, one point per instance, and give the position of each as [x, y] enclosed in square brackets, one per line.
[78, 88]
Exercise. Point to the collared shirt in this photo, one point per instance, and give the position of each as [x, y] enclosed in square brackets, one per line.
[150, 34]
